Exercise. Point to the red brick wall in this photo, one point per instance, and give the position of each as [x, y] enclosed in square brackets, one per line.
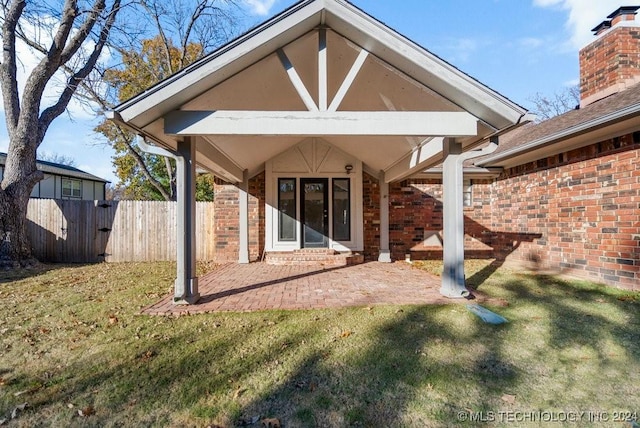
[371, 214]
[578, 211]
[227, 219]
[613, 59]
[585, 204]
[257, 200]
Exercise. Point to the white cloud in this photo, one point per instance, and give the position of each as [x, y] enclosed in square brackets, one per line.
[583, 16]
[260, 7]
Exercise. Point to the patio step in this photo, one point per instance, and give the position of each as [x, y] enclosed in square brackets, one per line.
[314, 257]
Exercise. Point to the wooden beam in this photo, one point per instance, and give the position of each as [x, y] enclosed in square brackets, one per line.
[322, 70]
[348, 81]
[424, 156]
[297, 82]
[305, 123]
[213, 159]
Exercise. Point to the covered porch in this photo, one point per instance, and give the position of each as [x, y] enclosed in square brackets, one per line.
[313, 100]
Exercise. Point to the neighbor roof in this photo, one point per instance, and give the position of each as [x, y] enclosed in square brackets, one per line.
[59, 169]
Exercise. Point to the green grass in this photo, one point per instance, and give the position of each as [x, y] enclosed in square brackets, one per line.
[72, 340]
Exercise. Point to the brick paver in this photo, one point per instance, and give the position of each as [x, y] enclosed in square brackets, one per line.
[258, 286]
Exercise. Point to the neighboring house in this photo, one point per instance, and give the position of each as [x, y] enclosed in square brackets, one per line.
[64, 182]
[325, 129]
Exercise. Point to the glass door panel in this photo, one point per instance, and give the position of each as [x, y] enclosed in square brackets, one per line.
[315, 212]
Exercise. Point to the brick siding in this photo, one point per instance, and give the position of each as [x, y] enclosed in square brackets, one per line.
[227, 219]
[577, 211]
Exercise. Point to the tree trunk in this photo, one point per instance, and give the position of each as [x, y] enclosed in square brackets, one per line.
[15, 190]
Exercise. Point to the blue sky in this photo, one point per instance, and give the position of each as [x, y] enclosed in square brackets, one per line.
[516, 47]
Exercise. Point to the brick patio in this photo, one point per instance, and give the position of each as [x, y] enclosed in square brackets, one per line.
[258, 286]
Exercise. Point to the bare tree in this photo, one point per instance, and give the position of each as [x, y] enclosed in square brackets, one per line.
[79, 30]
[547, 107]
[57, 158]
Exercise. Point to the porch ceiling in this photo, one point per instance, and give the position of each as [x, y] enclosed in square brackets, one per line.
[328, 57]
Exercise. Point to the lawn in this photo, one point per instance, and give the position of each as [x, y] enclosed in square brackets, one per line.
[74, 348]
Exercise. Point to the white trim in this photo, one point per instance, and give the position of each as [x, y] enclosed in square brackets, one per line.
[307, 123]
[425, 155]
[271, 210]
[322, 70]
[348, 81]
[297, 82]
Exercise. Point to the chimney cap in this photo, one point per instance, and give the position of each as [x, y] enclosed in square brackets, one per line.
[604, 25]
[624, 10]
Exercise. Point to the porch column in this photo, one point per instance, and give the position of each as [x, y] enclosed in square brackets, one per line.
[186, 286]
[385, 253]
[453, 280]
[243, 256]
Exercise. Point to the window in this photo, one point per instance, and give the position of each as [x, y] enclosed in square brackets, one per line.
[287, 209]
[341, 209]
[71, 188]
[467, 194]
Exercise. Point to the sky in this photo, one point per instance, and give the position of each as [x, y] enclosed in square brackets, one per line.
[516, 47]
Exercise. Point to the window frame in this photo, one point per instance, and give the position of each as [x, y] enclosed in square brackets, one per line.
[70, 189]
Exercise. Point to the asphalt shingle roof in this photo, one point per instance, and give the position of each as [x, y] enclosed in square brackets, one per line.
[59, 169]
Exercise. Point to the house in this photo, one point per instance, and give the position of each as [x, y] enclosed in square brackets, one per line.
[563, 194]
[64, 182]
[325, 128]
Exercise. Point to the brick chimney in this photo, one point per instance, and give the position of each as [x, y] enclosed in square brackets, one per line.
[611, 63]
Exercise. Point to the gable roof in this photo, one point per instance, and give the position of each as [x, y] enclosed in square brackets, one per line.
[612, 116]
[59, 169]
[276, 67]
[349, 21]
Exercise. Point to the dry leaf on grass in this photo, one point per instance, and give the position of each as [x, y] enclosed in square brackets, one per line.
[87, 411]
[270, 423]
[508, 398]
[346, 333]
[239, 392]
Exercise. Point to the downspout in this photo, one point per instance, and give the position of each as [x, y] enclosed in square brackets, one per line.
[186, 285]
[453, 276]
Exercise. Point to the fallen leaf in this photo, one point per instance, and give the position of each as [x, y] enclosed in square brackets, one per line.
[270, 423]
[346, 333]
[70, 405]
[87, 411]
[511, 399]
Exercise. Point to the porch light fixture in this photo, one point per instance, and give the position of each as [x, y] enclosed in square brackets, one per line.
[348, 167]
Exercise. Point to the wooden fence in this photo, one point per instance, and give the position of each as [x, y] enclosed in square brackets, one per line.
[114, 231]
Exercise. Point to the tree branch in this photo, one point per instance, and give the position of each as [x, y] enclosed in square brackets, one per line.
[145, 171]
[56, 110]
[8, 68]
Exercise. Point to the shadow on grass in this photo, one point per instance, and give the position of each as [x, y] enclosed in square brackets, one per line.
[18, 274]
[409, 366]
